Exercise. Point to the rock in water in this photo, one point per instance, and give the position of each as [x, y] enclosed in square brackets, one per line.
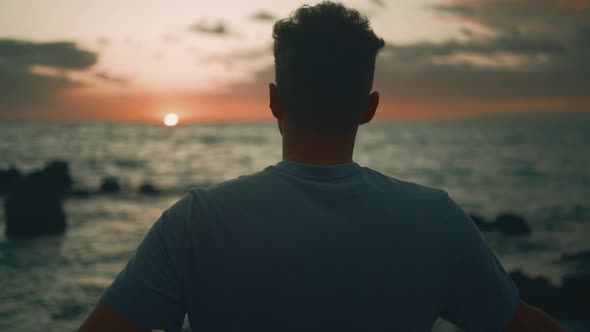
[575, 289]
[110, 185]
[148, 189]
[581, 259]
[511, 224]
[538, 291]
[9, 180]
[34, 207]
[571, 300]
[81, 193]
[481, 223]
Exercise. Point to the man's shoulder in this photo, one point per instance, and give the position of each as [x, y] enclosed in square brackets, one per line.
[199, 201]
[404, 190]
[236, 186]
[433, 206]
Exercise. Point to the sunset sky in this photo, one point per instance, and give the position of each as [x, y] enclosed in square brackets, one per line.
[135, 61]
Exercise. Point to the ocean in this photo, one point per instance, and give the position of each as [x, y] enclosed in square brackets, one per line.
[537, 166]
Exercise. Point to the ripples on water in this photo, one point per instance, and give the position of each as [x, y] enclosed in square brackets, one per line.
[537, 167]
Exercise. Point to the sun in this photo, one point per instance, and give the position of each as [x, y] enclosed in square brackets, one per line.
[171, 120]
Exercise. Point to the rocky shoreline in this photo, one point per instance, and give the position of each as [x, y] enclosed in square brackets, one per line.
[34, 202]
[570, 300]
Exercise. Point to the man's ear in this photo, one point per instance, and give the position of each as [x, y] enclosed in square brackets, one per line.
[369, 113]
[275, 104]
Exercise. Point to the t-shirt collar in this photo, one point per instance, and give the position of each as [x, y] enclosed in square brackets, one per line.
[318, 171]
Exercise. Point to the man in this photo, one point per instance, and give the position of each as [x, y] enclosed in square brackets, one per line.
[316, 242]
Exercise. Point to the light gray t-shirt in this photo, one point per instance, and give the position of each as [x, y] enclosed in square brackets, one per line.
[301, 247]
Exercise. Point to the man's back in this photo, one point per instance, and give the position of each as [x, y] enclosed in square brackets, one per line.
[303, 247]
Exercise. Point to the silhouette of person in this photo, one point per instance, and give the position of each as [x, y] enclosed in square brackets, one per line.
[316, 242]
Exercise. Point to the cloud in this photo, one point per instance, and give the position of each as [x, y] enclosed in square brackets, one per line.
[482, 46]
[60, 55]
[379, 3]
[23, 89]
[245, 55]
[534, 50]
[464, 81]
[556, 28]
[263, 16]
[520, 16]
[33, 74]
[217, 29]
[103, 42]
[110, 78]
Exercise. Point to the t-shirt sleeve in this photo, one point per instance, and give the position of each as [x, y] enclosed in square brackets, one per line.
[477, 294]
[149, 289]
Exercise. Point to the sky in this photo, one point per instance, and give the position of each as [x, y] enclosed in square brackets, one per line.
[209, 61]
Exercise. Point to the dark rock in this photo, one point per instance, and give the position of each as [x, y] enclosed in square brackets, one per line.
[511, 224]
[81, 193]
[481, 223]
[9, 180]
[581, 258]
[148, 189]
[68, 311]
[57, 175]
[507, 223]
[110, 185]
[583, 255]
[575, 293]
[537, 291]
[569, 301]
[34, 207]
[477, 218]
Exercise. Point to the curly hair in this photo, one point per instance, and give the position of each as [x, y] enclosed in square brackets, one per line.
[324, 61]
